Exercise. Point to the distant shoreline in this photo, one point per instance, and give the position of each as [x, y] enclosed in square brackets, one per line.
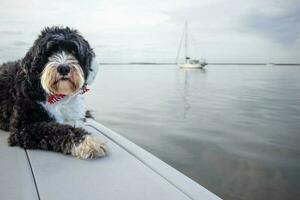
[150, 63]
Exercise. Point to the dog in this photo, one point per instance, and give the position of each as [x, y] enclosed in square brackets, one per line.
[42, 95]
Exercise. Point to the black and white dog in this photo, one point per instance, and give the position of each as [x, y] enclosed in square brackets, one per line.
[41, 95]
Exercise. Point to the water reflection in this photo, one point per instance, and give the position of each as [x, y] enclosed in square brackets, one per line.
[234, 130]
[188, 73]
[186, 93]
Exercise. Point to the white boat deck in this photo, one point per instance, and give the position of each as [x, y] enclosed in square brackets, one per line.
[129, 172]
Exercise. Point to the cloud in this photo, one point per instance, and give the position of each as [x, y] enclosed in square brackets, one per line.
[20, 43]
[282, 25]
[10, 32]
[219, 30]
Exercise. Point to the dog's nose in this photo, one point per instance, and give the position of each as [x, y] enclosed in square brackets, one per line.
[63, 69]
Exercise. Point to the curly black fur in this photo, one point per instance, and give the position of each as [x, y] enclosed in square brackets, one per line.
[29, 123]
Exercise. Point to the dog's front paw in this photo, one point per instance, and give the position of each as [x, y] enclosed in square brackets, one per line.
[89, 147]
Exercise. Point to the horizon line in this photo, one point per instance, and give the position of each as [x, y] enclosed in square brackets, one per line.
[213, 63]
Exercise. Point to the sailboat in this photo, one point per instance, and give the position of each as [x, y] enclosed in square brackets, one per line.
[189, 62]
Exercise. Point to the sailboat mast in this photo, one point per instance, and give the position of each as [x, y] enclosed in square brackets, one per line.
[186, 40]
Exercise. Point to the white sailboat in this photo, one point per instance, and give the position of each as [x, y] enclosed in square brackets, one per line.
[188, 63]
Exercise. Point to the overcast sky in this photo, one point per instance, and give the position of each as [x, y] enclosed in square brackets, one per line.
[150, 30]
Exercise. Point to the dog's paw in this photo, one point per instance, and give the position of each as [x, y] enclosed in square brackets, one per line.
[89, 147]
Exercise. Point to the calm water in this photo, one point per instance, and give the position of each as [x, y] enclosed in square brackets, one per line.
[233, 129]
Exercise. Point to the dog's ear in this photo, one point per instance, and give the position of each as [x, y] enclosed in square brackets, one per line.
[93, 70]
[35, 58]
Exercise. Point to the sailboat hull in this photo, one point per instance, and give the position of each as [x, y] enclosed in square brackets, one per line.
[190, 65]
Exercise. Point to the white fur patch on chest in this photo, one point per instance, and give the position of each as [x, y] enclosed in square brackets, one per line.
[69, 110]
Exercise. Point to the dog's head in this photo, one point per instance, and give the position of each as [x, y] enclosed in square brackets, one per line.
[62, 59]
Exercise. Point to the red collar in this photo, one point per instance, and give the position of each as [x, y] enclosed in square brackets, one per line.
[53, 98]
